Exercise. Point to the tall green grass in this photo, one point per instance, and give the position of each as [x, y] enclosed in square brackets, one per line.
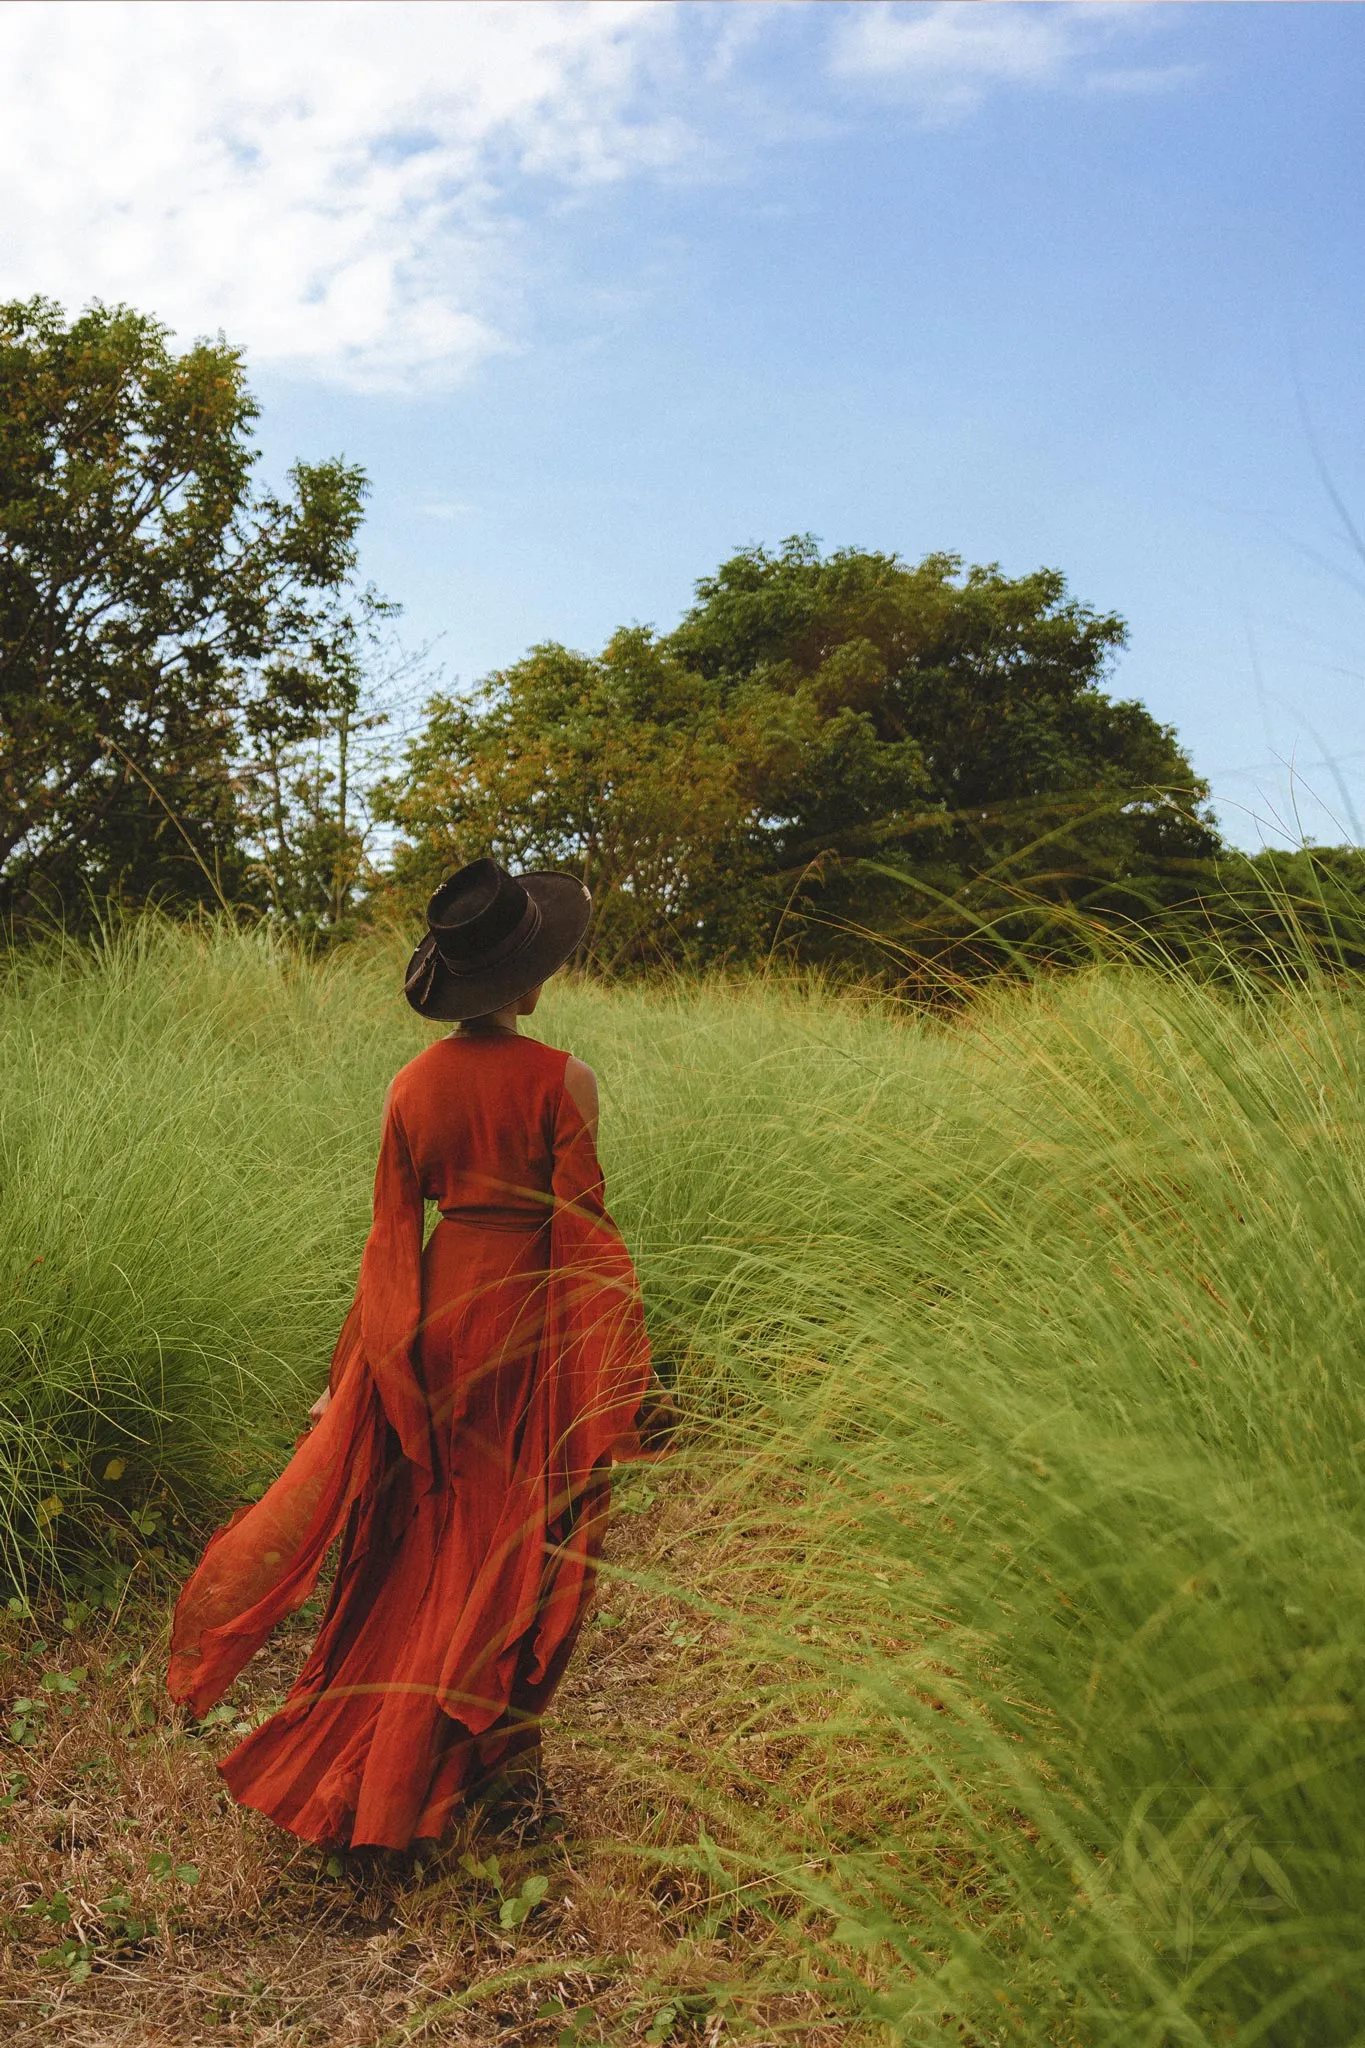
[187, 1126]
[1024, 1353]
[1055, 1319]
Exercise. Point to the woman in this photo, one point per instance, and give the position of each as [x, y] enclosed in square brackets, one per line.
[479, 1392]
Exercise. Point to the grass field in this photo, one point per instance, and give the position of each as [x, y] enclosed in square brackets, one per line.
[987, 1664]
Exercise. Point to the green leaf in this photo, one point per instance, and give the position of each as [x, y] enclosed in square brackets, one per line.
[160, 1864]
[57, 1909]
[1270, 1870]
[1225, 1882]
[661, 2026]
[1158, 1853]
[187, 1873]
[513, 1911]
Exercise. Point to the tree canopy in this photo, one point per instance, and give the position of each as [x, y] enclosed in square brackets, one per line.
[842, 757]
[167, 629]
[838, 754]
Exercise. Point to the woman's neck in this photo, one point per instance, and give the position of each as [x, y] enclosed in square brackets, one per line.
[500, 1020]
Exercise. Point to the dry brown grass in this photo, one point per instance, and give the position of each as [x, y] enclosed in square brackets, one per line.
[112, 1805]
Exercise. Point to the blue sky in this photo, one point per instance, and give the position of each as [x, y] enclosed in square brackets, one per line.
[599, 294]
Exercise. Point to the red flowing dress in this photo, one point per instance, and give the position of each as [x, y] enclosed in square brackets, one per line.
[481, 1388]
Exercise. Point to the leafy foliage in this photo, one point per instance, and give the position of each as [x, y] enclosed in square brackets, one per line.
[621, 766]
[166, 628]
[306, 767]
[843, 755]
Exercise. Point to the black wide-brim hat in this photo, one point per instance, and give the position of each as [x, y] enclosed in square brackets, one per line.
[492, 937]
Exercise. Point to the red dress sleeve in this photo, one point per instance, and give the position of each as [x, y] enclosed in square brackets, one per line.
[390, 1294]
[266, 1561]
[596, 1352]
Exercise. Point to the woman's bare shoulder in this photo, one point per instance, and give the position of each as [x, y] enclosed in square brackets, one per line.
[580, 1084]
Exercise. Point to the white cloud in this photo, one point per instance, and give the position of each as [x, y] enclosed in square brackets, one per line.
[945, 58]
[327, 180]
[345, 186]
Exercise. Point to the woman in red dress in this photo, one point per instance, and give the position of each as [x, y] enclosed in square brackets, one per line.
[480, 1390]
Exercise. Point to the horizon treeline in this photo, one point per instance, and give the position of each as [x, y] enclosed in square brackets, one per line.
[909, 771]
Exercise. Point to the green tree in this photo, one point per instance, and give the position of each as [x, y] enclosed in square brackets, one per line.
[859, 761]
[1039, 789]
[151, 601]
[618, 766]
[308, 761]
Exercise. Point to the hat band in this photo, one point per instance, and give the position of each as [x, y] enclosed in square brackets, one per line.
[521, 934]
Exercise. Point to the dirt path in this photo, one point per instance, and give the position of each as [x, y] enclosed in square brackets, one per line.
[141, 1909]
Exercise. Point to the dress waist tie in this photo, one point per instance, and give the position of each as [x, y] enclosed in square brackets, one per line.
[519, 1222]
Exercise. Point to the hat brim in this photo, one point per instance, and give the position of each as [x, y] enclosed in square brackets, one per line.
[436, 990]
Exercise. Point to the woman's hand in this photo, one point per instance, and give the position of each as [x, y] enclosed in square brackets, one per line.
[319, 1407]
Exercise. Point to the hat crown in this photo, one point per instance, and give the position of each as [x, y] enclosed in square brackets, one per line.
[491, 937]
[478, 910]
